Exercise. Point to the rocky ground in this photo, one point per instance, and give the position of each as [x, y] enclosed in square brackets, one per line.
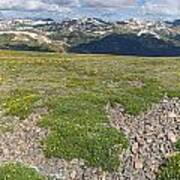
[151, 137]
[23, 145]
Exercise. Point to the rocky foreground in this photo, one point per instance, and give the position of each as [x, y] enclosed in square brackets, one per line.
[151, 136]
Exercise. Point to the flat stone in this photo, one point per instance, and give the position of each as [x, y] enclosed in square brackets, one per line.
[172, 137]
[73, 175]
[172, 115]
[138, 164]
[149, 140]
[135, 148]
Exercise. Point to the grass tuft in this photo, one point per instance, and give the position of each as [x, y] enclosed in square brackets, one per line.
[16, 171]
[19, 103]
[80, 129]
[171, 171]
[177, 145]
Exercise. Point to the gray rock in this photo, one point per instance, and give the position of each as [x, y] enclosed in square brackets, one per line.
[172, 137]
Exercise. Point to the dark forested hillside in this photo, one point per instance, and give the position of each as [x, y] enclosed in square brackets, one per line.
[129, 44]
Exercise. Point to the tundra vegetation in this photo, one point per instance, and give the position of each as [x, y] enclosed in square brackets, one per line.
[76, 89]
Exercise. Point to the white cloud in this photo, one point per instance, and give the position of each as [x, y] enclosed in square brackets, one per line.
[153, 7]
[110, 4]
[56, 4]
[50, 5]
[163, 7]
[62, 2]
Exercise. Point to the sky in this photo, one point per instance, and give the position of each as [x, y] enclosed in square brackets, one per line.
[107, 9]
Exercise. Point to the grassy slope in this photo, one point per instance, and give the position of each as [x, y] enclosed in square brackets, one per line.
[76, 88]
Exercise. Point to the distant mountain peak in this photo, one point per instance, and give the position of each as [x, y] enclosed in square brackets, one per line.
[141, 37]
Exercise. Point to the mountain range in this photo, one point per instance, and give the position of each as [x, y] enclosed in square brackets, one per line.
[92, 35]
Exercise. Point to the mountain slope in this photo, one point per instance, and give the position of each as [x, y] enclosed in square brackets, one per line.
[129, 44]
[92, 35]
[30, 41]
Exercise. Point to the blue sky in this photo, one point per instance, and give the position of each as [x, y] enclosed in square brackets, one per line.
[108, 9]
